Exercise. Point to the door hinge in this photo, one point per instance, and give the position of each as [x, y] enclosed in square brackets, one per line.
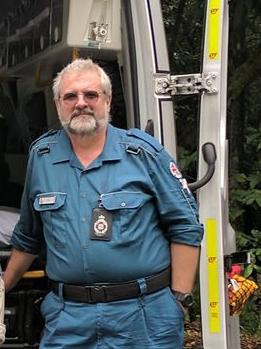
[169, 85]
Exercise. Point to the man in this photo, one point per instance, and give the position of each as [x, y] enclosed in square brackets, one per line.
[115, 214]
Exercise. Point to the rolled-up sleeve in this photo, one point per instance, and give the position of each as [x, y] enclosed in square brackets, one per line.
[176, 205]
[28, 234]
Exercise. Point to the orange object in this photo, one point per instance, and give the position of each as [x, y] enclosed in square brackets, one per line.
[34, 274]
[239, 290]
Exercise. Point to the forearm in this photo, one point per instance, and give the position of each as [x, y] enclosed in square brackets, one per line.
[184, 262]
[18, 264]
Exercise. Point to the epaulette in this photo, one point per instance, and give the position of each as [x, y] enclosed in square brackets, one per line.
[137, 133]
[44, 135]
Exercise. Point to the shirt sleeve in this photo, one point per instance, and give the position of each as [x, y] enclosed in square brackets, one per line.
[28, 233]
[176, 204]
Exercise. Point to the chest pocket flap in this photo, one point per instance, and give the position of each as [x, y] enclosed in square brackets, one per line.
[123, 200]
[49, 201]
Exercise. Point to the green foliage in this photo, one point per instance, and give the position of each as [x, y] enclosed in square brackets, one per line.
[188, 163]
[252, 243]
[253, 139]
[244, 192]
[245, 203]
[245, 199]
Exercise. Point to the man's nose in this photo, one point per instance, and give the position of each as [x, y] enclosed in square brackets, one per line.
[81, 101]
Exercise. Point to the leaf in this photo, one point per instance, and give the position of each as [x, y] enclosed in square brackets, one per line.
[248, 270]
[257, 268]
[240, 178]
[236, 212]
[258, 201]
[254, 180]
[256, 234]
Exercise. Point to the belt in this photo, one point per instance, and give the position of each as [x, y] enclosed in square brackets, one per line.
[109, 292]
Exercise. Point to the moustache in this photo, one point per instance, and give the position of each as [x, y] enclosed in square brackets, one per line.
[82, 112]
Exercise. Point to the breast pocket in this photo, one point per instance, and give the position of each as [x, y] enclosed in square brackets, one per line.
[127, 209]
[52, 209]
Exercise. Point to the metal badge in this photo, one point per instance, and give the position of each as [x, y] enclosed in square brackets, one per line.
[101, 226]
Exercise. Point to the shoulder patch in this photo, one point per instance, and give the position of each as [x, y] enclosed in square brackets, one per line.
[44, 135]
[135, 132]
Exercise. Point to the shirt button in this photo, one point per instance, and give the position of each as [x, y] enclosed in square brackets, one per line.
[83, 195]
[83, 219]
[123, 204]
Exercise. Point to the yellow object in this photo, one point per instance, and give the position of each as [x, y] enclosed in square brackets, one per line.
[213, 278]
[34, 274]
[239, 290]
[214, 29]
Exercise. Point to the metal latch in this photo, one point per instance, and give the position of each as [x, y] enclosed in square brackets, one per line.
[98, 32]
[170, 85]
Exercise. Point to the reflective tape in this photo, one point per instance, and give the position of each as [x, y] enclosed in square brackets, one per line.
[214, 29]
[213, 276]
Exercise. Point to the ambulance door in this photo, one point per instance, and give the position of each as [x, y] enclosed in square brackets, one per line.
[144, 53]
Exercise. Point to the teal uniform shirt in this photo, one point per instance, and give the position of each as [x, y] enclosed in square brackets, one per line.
[134, 181]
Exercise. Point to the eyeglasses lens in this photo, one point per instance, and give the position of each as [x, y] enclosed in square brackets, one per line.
[88, 96]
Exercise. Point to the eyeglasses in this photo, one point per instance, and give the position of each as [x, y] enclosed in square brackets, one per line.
[90, 96]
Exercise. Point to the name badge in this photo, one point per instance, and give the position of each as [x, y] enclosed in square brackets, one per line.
[47, 200]
[101, 225]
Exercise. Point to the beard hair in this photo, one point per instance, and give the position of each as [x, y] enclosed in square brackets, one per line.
[84, 123]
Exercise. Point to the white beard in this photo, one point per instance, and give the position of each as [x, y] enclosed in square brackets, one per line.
[85, 124]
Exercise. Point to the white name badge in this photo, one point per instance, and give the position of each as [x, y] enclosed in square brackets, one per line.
[47, 200]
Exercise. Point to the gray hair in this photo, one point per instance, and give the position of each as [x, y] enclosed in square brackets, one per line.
[81, 65]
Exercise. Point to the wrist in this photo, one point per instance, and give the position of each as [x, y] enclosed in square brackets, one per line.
[184, 298]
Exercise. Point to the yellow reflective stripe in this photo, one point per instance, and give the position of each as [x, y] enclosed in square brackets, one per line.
[213, 280]
[34, 274]
[214, 29]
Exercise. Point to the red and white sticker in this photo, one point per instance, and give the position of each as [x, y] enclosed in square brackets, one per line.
[174, 170]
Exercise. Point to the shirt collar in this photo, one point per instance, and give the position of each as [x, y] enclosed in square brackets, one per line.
[63, 149]
[111, 150]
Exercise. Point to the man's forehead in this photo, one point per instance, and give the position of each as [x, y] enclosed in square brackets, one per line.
[82, 74]
[77, 78]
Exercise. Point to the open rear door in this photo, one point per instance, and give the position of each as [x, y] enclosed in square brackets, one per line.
[220, 330]
[144, 54]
